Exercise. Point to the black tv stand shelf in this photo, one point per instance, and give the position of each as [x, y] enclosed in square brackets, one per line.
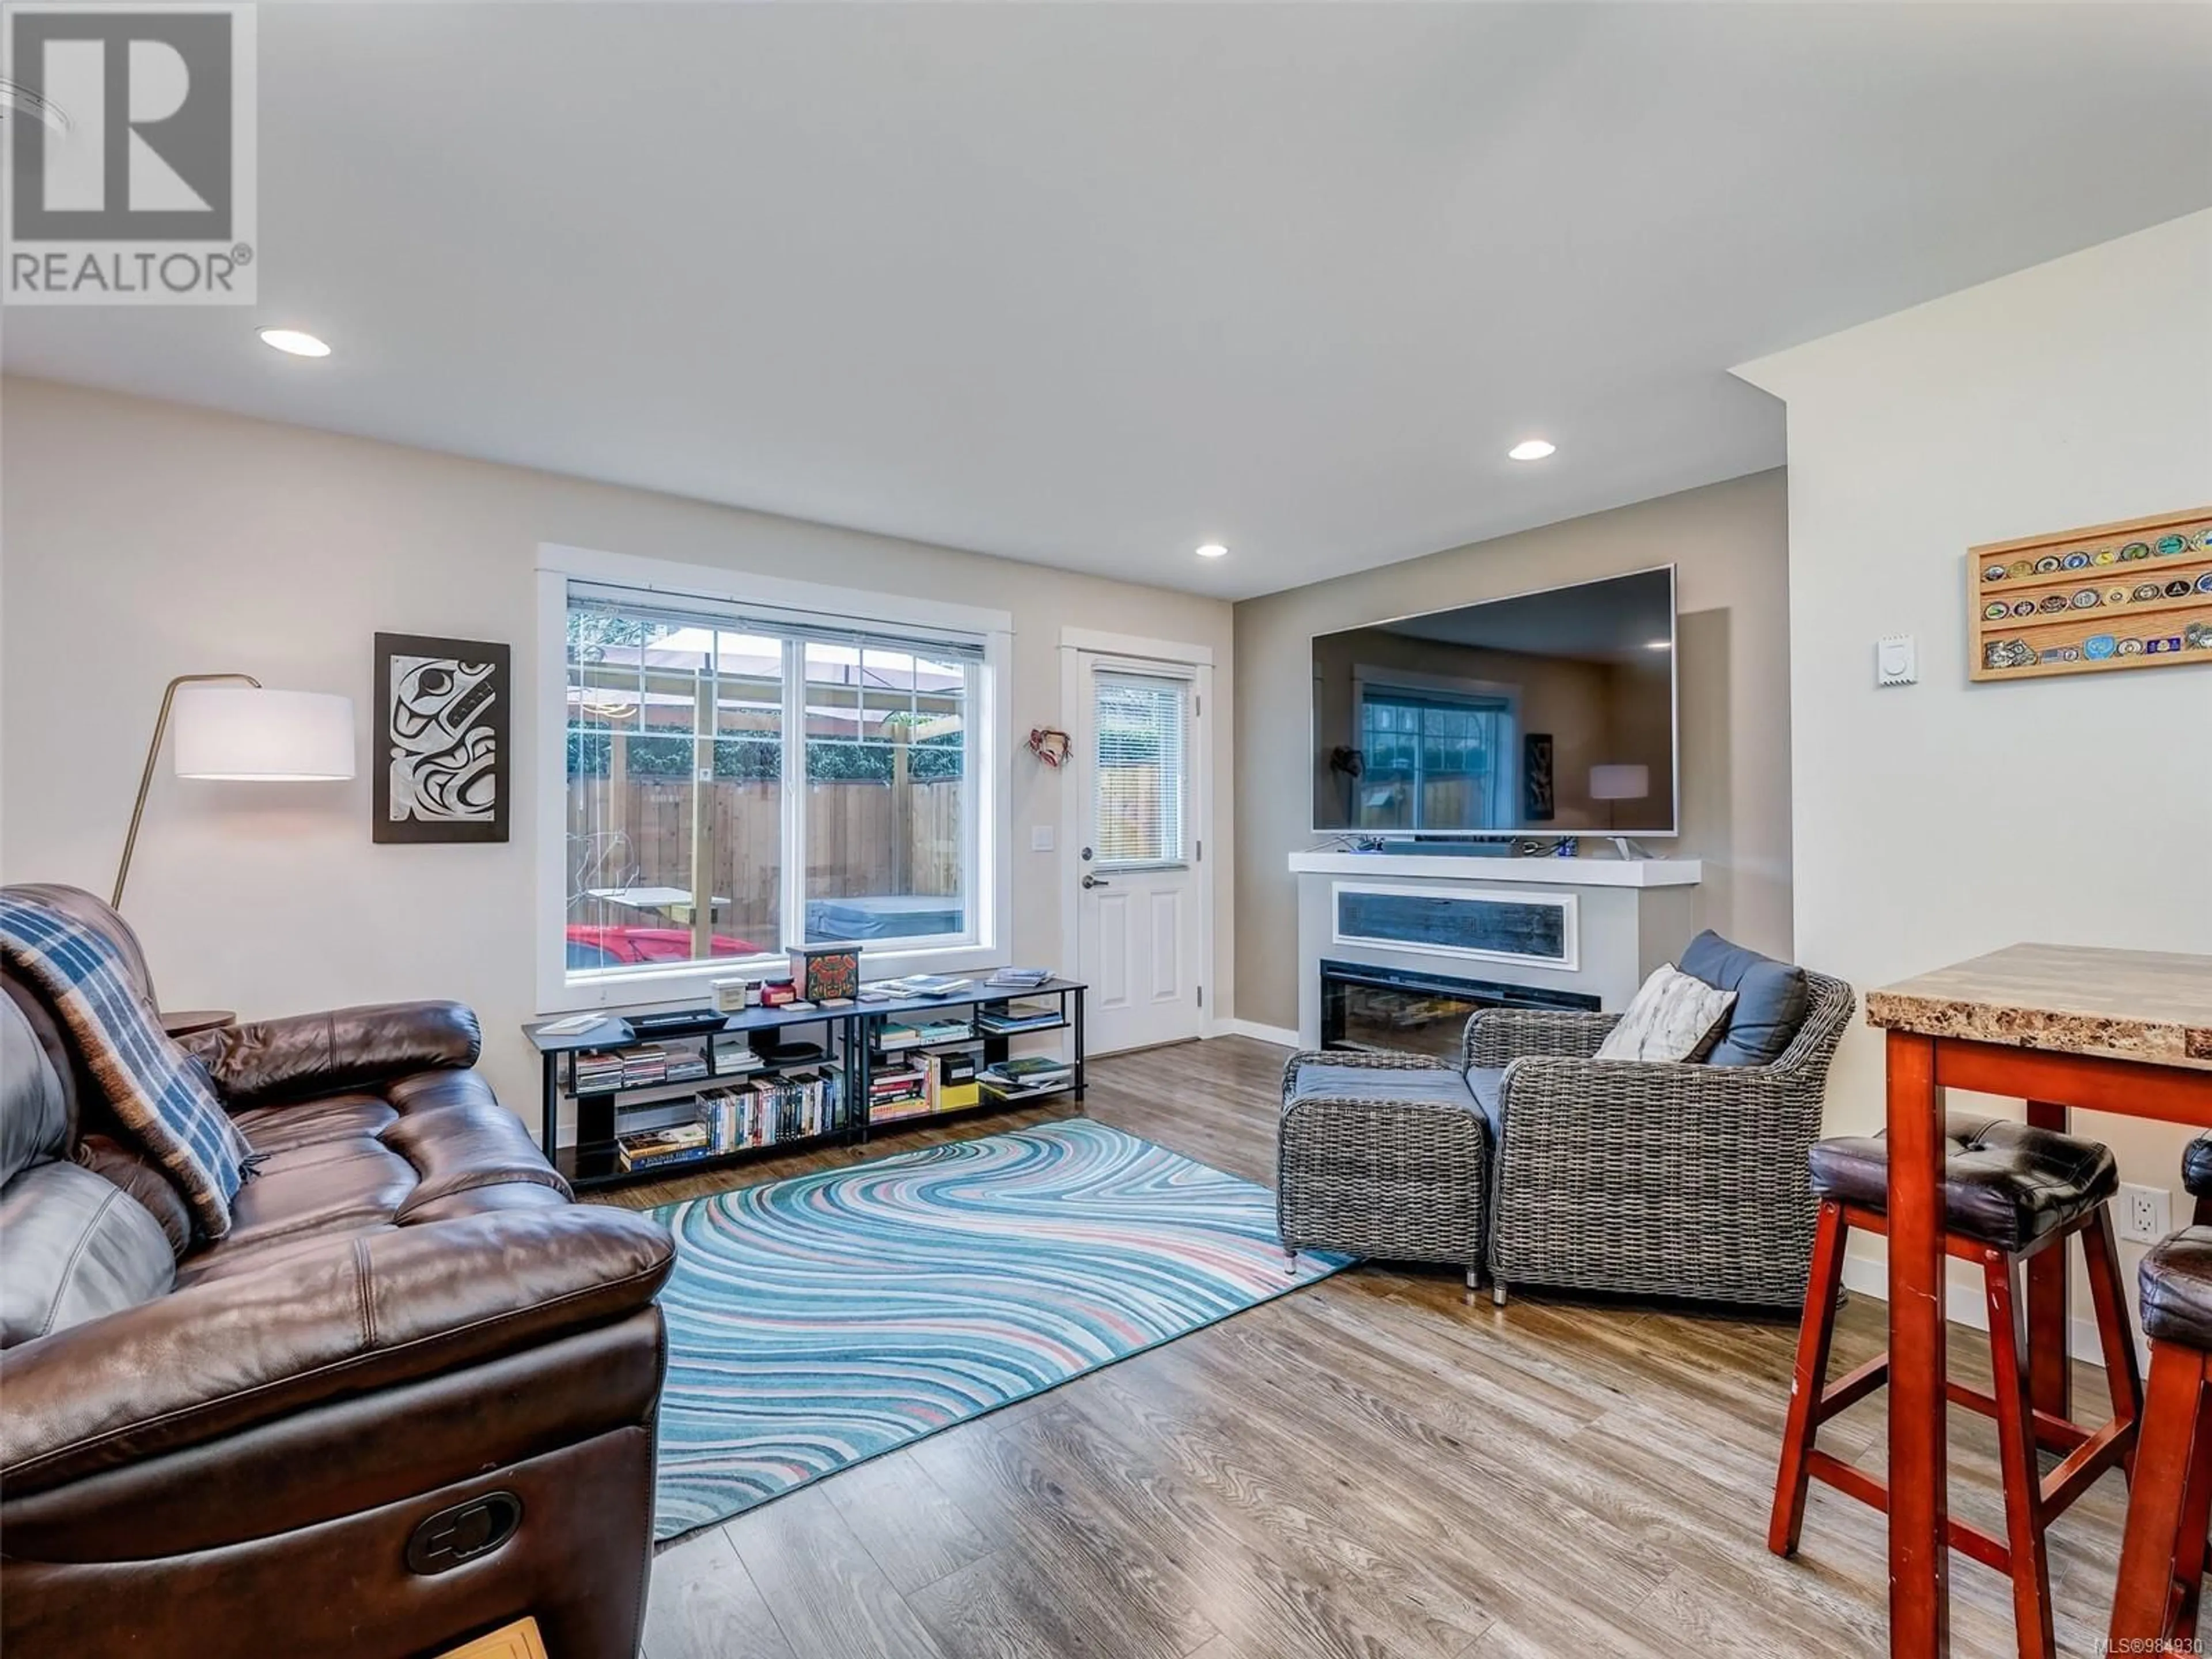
[593, 1162]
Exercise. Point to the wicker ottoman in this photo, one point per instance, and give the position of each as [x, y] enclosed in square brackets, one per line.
[1382, 1155]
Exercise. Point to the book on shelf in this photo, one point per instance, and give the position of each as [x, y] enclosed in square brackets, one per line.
[733, 1054]
[950, 1083]
[791, 1107]
[1031, 1066]
[907, 1083]
[653, 1149]
[1018, 1016]
[895, 1037]
[1018, 979]
[890, 1110]
[1030, 1074]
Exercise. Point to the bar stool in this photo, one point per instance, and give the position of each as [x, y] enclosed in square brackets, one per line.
[2196, 1176]
[2010, 1192]
[2170, 1502]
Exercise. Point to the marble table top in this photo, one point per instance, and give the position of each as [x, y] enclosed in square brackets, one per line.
[2155, 1006]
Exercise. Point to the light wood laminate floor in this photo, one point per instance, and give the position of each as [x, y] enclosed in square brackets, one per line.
[1380, 1465]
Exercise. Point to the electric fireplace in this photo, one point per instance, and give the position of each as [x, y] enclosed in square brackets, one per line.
[1364, 1006]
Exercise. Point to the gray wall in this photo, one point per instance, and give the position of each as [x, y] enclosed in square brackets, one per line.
[147, 539]
[1730, 545]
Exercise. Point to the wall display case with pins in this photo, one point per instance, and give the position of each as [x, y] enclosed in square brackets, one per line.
[2131, 595]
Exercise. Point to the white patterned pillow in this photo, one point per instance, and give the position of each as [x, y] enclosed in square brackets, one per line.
[1675, 1015]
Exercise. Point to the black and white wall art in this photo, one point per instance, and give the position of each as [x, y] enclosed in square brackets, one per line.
[443, 717]
[1537, 803]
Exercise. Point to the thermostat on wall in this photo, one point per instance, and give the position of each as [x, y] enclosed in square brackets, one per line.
[1895, 661]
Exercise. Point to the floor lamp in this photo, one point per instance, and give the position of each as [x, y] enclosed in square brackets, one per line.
[243, 733]
[1619, 782]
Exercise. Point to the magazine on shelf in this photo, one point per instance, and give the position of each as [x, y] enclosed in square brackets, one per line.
[925, 985]
[1030, 1074]
[1018, 1016]
[1019, 979]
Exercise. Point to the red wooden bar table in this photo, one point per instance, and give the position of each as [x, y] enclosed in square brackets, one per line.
[2057, 1026]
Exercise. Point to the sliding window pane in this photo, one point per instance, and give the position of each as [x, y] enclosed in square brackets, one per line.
[666, 866]
[887, 808]
[746, 807]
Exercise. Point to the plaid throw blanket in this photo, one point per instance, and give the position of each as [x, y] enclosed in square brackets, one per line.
[158, 1092]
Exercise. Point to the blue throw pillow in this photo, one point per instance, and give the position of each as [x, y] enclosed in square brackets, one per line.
[1770, 998]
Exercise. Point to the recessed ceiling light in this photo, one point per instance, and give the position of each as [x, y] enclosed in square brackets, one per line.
[292, 340]
[1531, 449]
[1658, 645]
[1213, 551]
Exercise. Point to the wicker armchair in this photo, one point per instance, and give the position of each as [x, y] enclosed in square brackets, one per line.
[1400, 1180]
[1653, 1179]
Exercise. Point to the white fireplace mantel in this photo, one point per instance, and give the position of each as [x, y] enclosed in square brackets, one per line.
[1617, 920]
[1534, 872]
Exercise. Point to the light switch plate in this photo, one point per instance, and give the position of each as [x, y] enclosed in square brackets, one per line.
[1896, 660]
[1040, 838]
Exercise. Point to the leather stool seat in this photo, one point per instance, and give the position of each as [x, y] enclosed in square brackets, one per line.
[2004, 1183]
[2196, 1167]
[2177, 1289]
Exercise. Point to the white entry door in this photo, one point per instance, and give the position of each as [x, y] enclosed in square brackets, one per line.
[1138, 921]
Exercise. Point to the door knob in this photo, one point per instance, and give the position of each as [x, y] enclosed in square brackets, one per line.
[1089, 882]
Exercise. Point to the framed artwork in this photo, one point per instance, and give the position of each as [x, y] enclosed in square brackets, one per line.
[443, 717]
[1537, 802]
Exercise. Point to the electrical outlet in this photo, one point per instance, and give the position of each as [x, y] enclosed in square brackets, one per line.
[2146, 1214]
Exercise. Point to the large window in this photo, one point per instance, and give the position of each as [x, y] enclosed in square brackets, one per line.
[741, 779]
[1433, 760]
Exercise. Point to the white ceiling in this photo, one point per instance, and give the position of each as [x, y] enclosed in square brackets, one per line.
[1088, 285]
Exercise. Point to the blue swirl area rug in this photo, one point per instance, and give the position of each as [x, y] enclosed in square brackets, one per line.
[820, 1321]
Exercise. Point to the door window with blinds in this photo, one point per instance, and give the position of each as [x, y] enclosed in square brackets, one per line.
[741, 781]
[1139, 773]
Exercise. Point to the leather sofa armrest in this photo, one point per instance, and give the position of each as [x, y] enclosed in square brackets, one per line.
[303, 1054]
[367, 1312]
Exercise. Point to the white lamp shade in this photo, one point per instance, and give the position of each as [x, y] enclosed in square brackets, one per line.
[248, 733]
[1619, 782]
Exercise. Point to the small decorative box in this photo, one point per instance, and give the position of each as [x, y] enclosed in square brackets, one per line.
[826, 971]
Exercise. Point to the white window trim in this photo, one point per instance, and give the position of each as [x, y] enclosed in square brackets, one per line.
[688, 982]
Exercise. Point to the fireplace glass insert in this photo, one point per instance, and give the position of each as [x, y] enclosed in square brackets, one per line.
[1364, 1006]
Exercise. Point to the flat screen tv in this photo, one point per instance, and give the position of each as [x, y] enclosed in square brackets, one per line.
[1546, 713]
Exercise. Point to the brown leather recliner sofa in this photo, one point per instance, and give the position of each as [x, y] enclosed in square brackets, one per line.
[408, 1399]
